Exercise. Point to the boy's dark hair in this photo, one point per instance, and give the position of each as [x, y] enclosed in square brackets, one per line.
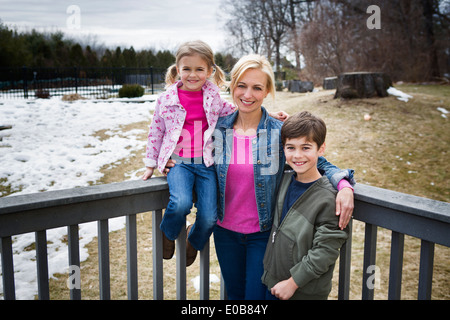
[304, 124]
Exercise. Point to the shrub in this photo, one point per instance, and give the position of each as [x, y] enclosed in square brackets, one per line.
[42, 94]
[131, 91]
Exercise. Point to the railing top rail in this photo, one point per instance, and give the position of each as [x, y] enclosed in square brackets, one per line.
[47, 199]
[419, 206]
[47, 210]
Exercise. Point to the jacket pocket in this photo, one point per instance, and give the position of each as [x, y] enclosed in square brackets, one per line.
[279, 256]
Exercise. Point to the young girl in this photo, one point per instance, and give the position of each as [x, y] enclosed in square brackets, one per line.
[183, 123]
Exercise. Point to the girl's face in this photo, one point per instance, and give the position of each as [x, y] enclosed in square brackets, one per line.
[194, 72]
[250, 91]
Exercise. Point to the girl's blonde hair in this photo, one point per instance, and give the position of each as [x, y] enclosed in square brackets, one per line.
[253, 61]
[205, 52]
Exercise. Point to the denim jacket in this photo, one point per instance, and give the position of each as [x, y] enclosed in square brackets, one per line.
[268, 166]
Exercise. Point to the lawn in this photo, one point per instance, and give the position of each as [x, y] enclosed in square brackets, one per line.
[403, 148]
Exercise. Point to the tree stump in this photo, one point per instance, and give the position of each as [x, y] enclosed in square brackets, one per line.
[362, 85]
[329, 83]
[301, 86]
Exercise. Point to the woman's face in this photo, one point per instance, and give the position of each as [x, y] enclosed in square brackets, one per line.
[250, 91]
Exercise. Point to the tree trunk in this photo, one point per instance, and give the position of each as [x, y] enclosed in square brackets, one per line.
[362, 85]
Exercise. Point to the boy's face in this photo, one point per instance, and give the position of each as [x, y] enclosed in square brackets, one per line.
[301, 155]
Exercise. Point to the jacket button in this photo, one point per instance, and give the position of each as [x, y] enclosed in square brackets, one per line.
[262, 205]
[259, 162]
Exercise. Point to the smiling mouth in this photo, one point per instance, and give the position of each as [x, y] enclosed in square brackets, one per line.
[247, 103]
[300, 163]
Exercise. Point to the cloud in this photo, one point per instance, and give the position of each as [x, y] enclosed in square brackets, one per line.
[135, 23]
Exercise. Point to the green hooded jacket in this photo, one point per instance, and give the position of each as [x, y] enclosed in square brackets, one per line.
[307, 242]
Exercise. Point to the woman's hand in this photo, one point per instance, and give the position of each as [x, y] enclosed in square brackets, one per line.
[344, 206]
[169, 164]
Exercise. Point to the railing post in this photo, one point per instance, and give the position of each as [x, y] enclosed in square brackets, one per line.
[42, 265]
[204, 272]
[180, 251]
[370, 248]
[74, 257]
[158, 290]
[103, 259]
[132, 267]
[426, 270]
[9, 290]
[345, 265]
[396, 265]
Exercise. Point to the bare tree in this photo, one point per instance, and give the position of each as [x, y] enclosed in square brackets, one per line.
[411, 45]
[244, 23]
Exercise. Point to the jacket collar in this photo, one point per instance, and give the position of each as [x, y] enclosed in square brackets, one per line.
[228, 122]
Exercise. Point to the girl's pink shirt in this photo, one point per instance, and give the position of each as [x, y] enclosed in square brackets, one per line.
[190, 144]
[168, 120]
[241, 212]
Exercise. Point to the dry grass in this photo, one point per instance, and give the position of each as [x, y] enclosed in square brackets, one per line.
[403, 148]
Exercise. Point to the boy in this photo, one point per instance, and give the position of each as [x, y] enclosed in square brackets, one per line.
[305, 237]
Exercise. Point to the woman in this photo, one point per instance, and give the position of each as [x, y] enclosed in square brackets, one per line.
[249, 162]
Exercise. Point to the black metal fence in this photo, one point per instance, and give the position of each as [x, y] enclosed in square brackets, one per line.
[28, 82]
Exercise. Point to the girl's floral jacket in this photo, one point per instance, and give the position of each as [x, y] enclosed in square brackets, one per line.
[168, 120]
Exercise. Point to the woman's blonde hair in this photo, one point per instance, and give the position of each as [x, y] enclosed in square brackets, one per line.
[253, 61]
[205, 52]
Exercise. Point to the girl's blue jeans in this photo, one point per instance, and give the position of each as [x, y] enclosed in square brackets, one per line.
[241, 263]
[183, 178]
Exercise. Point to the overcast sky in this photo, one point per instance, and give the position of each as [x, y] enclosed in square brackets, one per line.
[159, 24]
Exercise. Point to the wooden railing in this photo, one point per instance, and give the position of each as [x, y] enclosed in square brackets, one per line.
[419, 217]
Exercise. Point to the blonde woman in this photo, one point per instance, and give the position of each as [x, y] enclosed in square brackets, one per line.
[249, 162]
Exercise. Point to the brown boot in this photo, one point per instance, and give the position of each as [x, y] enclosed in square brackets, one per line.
[168, 247]
[191, 252]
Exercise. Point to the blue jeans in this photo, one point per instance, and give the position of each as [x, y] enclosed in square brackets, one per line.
[241, 263]
[182, 180]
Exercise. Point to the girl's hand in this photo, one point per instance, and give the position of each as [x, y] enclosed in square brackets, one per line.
[344, 206]
[148, 173]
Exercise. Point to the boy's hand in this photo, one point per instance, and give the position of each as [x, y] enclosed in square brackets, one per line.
[284, 290]
[148, 173]
[344, 206]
